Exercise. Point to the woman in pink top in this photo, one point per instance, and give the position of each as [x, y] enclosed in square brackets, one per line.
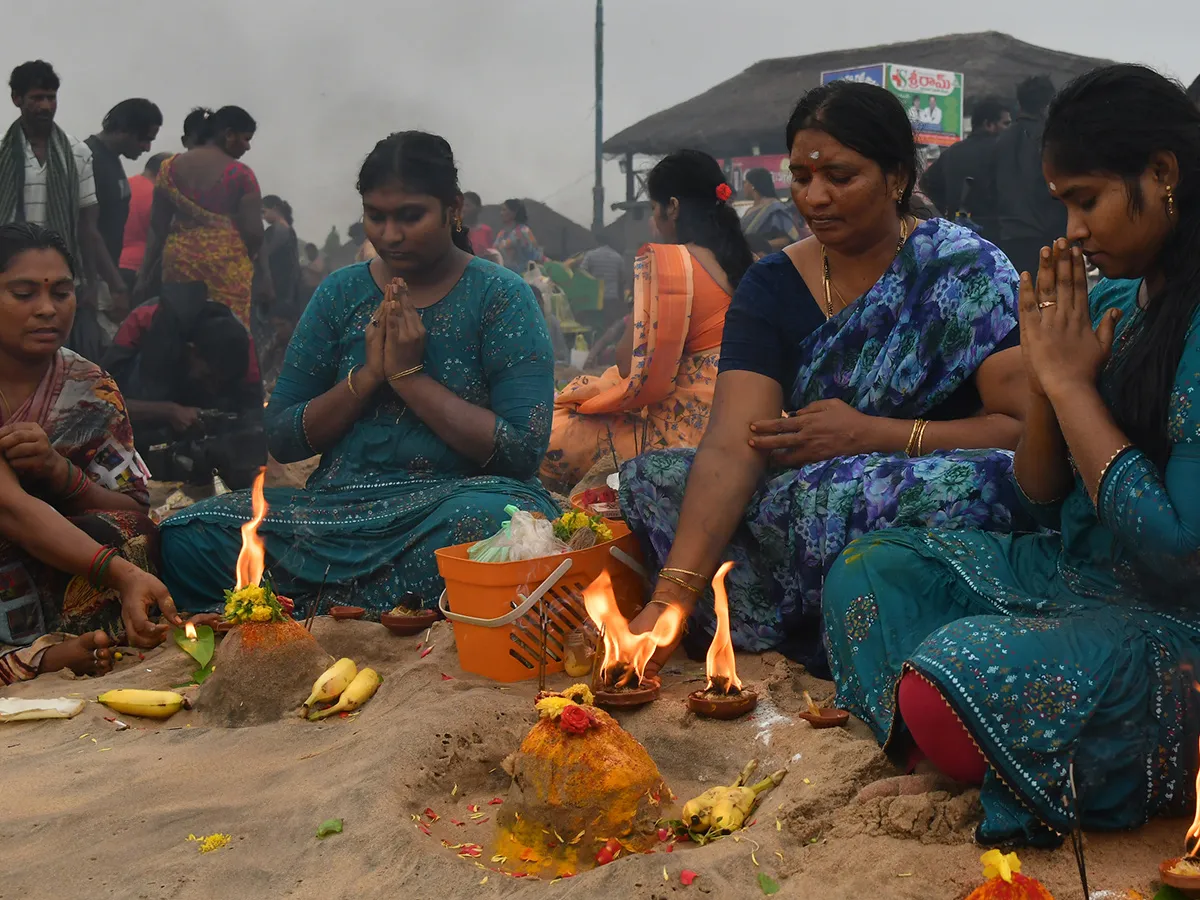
[137, 225]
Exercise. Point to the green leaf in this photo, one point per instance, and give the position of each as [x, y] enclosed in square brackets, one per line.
[1166, 892]
[767, 884]
[201, 649]
[328, 827]
[201, 674]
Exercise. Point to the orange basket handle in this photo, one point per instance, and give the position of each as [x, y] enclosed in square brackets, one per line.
[509, 617]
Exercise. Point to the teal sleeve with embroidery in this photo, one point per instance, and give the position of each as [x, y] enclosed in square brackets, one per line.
[1158, 513]
[518, 362]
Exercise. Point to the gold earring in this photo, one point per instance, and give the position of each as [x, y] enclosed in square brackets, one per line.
[458, 223]
[1170, 202]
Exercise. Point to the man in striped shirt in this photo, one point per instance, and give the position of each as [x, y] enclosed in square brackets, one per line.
[46, 174]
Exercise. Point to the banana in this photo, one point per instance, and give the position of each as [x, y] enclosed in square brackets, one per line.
[149, 704]
[361, 689]
[725, 809]
[332, 683]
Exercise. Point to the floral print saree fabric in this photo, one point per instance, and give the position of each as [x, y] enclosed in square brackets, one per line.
[678, 319]
[1055, 650]
[83, 414]
[390, 492]
[907, 346]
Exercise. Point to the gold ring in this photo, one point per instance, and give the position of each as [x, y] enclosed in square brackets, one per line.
[374, 323]
[1045, 304]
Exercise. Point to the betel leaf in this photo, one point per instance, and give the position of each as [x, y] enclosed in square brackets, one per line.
[201, 649]
[767, 884]
[199, 676]
[328, 827]
[1166, 892]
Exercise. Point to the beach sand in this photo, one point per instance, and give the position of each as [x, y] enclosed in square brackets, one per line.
[90, 811]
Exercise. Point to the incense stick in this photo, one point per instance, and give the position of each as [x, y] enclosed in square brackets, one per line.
[543, 625]
[316, 607]
[1077, 832]
[612, 448]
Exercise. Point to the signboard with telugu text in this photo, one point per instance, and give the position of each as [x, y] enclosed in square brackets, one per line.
[933, 98]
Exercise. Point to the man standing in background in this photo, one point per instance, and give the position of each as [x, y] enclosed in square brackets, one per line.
[127, 132]
[1030, 218]
[482, 236]
[944, 182]
[137, 225]
[1194, 91]
[46, 177]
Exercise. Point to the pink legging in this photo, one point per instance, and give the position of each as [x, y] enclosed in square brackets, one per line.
[938, 733]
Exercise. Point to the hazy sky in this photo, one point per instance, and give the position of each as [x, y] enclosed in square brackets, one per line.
[509, 84]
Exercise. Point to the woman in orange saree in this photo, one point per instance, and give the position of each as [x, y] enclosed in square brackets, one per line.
[659, 394]
[206, 221]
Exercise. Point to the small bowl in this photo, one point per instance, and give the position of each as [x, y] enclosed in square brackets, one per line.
[647, 693]
[406, 626]
[1188, 884]
[829, 718]
[704, 704]
[345, 613]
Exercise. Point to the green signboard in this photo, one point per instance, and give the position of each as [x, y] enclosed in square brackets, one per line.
[933, 97]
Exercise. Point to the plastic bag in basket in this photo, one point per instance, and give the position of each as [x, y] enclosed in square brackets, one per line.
[523, 536]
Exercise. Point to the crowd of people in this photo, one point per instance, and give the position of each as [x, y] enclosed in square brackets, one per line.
[952, 480]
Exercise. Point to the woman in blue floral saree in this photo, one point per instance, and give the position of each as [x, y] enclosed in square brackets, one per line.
[429, 399]
[1058, 670]
[890, 392]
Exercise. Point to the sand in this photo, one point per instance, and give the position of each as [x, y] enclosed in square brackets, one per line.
[89, 811]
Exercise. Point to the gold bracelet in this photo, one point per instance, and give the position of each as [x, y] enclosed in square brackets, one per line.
[912, 437]
[413, 371]
[921, 437]
[684, 572]
[1104, 471]
[681, 583]
[350, 381]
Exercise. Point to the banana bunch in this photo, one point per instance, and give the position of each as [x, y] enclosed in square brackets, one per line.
[148, 704]
[724, 810]
[344, 683]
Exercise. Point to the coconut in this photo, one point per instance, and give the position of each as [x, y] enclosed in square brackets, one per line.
[261, 673]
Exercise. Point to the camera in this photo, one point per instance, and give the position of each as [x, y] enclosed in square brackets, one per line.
[231, 445]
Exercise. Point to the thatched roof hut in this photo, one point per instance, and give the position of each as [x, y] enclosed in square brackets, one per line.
[751, 109]
[557, 235]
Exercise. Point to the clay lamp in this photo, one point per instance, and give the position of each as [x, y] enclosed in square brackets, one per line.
[409, 621]
[725, 697]
[618, 679]
[822, 716]
[1183, 872]
[346, 613]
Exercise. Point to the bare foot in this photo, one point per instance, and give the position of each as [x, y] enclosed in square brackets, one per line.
[88, 654]
[906, 785]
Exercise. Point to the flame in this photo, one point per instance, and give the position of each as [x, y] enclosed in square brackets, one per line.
[252, 558]
[1192, 840]
[720, 666]
[189, 631]
[630, 652]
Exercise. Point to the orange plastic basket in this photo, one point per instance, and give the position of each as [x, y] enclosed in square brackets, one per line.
[496, 608]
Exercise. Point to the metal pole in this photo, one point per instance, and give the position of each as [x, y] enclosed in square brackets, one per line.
[598, 189]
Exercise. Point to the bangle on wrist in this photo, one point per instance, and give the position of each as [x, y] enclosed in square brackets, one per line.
[665, 576]
[350, 381]
[413, 371]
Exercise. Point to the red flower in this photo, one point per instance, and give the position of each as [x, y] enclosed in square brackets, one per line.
[576, 720]
[686, 877]
[724, 192]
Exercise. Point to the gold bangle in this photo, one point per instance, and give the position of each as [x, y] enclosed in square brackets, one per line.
[921, 437]
[1104, 471]
[350, 381]
[680, 582]
[684, 572]
[911, 446]
[413, 371]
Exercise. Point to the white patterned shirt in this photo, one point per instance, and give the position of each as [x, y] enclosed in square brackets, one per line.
[35, 180]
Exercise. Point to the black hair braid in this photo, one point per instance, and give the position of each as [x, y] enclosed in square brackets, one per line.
[693, 179]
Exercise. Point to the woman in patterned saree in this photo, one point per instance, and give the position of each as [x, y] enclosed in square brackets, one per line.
[206, 221]
[659, 394]
[74, 537]
[1057, 670]
[892, 340]
[428, 399]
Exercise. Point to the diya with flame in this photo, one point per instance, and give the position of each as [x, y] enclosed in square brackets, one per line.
[725, 697]
[1183, 872]
[620, 680]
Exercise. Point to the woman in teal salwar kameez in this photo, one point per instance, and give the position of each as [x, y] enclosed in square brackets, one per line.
[429, 399]
[1056, 669]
